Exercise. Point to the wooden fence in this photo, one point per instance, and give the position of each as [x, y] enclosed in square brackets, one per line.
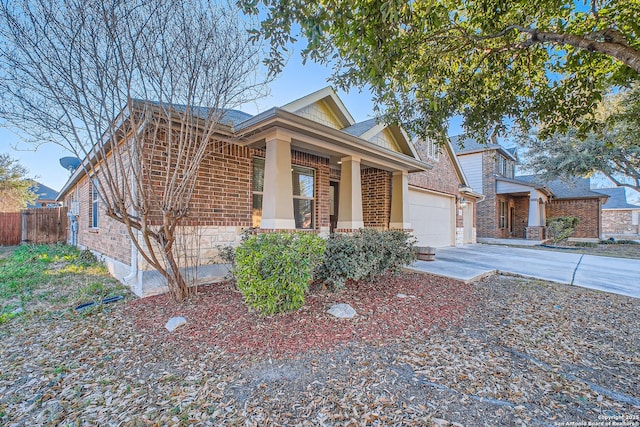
[10, 228]
[40, 225]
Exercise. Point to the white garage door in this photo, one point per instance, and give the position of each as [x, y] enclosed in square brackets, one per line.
[432, 218]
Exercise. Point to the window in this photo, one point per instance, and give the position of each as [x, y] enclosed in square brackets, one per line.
[303, 194]
[635, 217]
[503, 215]
[94, 208]
[432, 149]
[258, 187]
[303, 202]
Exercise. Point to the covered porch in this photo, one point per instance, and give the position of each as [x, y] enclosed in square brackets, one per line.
[311, 177]
[522, 209]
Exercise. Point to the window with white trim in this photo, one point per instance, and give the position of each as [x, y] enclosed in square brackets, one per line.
[503, 214]
[303, 197]
[432, 150]
[258, 187]
[94, 208]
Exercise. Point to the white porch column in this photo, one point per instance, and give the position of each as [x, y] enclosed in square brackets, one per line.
[277, 198]
[400, 201]
[534, 213]
[543, 213]
[350, 195]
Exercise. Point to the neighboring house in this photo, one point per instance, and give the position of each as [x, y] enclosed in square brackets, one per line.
[46, 197]
[620, 219]
[304, 166]
[518, 206]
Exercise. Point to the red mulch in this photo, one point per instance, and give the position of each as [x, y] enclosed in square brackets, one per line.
[218, 317]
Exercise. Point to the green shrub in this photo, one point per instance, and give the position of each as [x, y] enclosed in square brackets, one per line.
[273, 270]
[363, 255]
[561, 227]
[626, 242]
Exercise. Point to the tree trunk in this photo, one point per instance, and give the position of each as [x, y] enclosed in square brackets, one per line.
[178, 288]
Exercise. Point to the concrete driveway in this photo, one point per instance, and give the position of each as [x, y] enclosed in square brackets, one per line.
[472, 262]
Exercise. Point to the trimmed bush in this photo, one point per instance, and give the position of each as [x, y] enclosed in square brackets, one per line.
[561, 227]
[273, 270]
[363, 255]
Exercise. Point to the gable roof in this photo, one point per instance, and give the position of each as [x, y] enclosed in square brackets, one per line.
[43, 192]
[329, 97]
[617, 198]
[360, 128]
[464, 145]
[229, 117]
[576, 188]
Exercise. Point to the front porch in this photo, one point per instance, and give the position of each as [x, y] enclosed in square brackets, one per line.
[521, 211]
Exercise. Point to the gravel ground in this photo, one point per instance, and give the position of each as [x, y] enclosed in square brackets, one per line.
[503, 351]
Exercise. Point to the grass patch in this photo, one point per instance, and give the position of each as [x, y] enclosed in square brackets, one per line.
[51, 277]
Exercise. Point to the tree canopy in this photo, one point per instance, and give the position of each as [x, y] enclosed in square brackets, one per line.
[16, 190]
[137, 89]
[541, 63]
[611, 147]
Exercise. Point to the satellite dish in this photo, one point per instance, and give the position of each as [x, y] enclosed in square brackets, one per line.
[70, 163]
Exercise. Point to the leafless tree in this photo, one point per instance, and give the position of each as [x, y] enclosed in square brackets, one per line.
[140, 89]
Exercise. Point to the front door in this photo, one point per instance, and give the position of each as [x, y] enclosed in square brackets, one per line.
[333, 205]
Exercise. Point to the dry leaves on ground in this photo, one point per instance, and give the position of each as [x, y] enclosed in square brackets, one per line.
[505, 351]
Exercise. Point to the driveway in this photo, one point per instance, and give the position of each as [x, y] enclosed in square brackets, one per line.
[472, 262]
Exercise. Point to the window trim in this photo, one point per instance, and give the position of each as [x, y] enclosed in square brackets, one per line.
[312, 198]
[310, 170]
[502, 214]
[94, 205]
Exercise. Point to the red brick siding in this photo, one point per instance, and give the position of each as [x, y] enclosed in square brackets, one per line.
[376, 197]
[521, 219]
[588, 210]
[487, 212]
[442, 178]
[111, 238]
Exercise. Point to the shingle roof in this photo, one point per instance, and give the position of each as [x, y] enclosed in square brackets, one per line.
[464, 145]
[617, 198]
[229, 117]
[360, 128]
[576, 188]
[43, 192]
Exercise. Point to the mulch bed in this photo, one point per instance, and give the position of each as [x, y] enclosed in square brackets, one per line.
[389, 307]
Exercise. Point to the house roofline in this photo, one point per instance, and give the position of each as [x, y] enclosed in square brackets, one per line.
[277, 117]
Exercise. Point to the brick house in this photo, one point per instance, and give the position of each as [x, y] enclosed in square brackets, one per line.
[518, 206]
[620, 218]
[304, 166]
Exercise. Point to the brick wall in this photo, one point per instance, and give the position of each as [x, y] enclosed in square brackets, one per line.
[376, 197]
[486, 213]
[521, 216]
[618, 223]
[441, 178]
[588, 210]
[110, 238]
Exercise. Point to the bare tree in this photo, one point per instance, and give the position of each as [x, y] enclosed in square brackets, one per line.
[139, 89]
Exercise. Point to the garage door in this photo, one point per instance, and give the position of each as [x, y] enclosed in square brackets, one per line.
[431, 218]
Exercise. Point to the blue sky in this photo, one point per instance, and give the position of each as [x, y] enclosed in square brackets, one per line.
[295, 82]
